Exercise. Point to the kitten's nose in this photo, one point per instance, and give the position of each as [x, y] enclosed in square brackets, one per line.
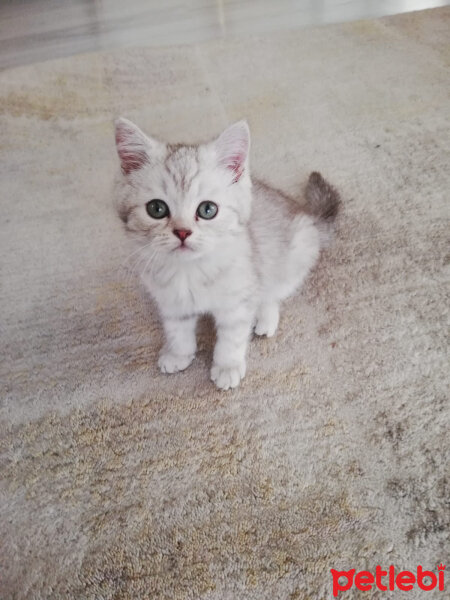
[182, 234]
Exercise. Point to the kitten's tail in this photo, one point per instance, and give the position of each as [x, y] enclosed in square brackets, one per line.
[323, 202]
[322, 199]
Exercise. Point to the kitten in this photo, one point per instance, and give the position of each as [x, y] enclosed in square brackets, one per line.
[212, 242]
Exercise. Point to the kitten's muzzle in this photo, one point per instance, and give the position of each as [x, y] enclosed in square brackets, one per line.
[182, 234]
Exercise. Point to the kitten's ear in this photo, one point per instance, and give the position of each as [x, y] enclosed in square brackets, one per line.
[232, 148]
[135, 149]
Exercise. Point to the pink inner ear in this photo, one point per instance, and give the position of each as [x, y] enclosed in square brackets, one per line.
[232, 149]
[236, 164]
[132, 154]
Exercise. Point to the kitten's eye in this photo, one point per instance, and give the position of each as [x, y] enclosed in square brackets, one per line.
[207, 210]
[157, 209]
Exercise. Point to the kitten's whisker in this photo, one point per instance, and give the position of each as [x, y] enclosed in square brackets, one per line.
[140, 249]
[149, 262]
[134, 267]
[137, 272]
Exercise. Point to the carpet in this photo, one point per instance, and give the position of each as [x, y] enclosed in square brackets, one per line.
[118, 482]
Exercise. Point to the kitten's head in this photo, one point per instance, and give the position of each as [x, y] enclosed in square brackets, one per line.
[183, 202]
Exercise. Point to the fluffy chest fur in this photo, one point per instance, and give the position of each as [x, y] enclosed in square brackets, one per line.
[221, 281]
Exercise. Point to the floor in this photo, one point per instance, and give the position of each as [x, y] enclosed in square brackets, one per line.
[120, 482]
[36, 30]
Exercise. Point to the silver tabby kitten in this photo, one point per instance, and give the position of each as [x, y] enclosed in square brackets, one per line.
[213, 242]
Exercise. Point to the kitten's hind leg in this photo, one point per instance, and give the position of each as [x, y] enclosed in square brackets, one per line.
[267, 319]
[179, 350]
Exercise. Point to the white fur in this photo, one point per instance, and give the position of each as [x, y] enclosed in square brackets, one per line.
[238, 266]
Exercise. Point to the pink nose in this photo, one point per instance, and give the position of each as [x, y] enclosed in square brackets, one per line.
[182, 234]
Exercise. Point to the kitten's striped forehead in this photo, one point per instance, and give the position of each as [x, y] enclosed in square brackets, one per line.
[182, 166]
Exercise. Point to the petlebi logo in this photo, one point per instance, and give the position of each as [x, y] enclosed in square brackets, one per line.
[389, 579]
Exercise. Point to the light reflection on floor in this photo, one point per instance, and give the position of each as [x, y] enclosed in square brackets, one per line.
[45, 29]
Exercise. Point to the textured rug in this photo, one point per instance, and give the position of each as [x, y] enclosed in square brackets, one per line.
[120, 483]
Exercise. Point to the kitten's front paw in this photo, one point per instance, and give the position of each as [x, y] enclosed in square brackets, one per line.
[172, 363]
[227, 377]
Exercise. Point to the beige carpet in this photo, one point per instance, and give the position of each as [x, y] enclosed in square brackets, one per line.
[120, 483]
